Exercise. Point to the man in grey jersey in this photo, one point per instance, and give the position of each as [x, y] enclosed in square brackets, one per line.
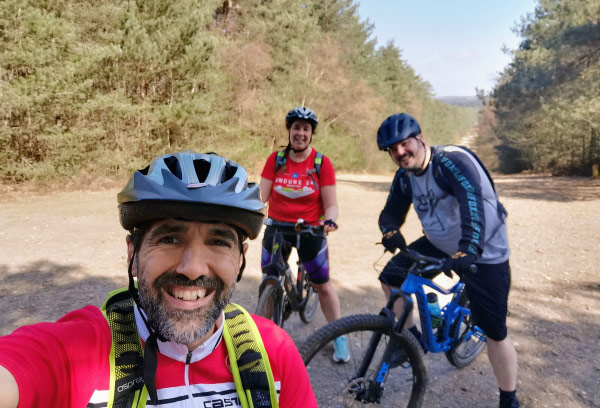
[463, 222]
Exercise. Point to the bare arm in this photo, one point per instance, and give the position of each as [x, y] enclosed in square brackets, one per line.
[329, 199]
[8, 389]
[265, 187]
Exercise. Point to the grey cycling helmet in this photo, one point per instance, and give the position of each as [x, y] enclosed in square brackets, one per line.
[303, 113]
[192, 186]
[395, 129]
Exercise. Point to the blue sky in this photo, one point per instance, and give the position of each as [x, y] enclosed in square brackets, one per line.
[455, 45]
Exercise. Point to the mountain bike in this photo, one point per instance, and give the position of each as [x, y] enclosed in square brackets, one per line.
[372, 376]
[284, 291]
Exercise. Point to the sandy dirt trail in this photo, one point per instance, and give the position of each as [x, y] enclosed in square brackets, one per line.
[63, 251]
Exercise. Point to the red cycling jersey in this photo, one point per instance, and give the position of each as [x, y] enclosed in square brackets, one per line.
[294, 194]
[66, 364]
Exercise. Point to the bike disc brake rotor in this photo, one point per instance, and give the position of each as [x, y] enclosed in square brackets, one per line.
[351, 395]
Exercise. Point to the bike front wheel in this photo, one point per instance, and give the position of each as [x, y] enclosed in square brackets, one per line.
[345, 384]
[307, 314]
[466, 350]
[271, 304]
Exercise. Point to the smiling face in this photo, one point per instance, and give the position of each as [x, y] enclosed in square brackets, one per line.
[186, 273]
[301, 133]
[409, 154]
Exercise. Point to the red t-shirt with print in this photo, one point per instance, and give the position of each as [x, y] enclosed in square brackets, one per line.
[294, 194]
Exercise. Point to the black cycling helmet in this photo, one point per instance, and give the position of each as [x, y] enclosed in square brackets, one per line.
[192, 186]
[395, 129]
[303, 113]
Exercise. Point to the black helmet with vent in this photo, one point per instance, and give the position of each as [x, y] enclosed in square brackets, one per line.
[395, 129]
[192, 186]
[303, 113]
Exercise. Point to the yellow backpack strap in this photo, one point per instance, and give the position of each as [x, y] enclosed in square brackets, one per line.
[126, 354]
[249, 361]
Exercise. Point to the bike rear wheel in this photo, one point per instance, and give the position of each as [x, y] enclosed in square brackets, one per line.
[465, 351]
[312, 301]
[271, 304]
[337, 385]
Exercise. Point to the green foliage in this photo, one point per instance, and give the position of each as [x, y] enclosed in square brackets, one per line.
[548, 98]
[98, 88]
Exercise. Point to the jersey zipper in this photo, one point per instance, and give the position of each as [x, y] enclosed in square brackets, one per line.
[190, 391]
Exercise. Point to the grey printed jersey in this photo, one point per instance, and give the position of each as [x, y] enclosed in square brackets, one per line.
[456, 204]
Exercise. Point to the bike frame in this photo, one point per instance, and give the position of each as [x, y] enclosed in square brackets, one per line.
[451, 312]
[285, 280]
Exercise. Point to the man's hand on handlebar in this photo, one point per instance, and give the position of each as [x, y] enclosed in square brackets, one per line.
[393, 240]
[460, 263]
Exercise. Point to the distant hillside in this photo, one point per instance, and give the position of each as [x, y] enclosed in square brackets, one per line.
[468, 101]
[137, 79]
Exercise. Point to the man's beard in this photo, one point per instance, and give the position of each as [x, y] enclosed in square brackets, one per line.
[177, 325]
[417, 165]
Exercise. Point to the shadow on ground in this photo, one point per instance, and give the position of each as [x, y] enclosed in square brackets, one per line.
[45, 291]
[536, 187]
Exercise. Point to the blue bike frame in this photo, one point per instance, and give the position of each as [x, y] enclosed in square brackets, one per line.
[451, 313]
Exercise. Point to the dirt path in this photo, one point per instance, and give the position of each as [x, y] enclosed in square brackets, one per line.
[63, 251]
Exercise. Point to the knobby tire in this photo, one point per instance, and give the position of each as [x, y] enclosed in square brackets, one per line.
[312, 303]
[466, 351]
[270, 304]
[335, 384]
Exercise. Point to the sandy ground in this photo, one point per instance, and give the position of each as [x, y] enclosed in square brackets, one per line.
[63, 251]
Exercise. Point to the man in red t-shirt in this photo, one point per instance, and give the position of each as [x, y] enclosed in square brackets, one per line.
[188, 215]
[295, 190]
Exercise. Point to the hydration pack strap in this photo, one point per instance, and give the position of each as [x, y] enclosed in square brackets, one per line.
[280, 160]
[249, 361]
[126, 355]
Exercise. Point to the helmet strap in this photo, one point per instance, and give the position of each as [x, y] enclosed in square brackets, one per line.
[426, 158]
[132, 288]
[239, 277]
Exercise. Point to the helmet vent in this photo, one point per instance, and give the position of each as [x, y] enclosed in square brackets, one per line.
[229, 172]
[144, 171]
[202, 167]
[173, 165]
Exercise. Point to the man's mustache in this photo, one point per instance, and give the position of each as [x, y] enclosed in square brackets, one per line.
[176, 279]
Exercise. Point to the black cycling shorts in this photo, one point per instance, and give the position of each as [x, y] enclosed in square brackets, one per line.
[312, 251]
[487, 289]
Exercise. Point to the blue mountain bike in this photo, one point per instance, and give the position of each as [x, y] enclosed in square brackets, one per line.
[372, 376]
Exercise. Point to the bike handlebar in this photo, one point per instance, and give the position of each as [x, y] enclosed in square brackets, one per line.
[427, 263]
[298, 226]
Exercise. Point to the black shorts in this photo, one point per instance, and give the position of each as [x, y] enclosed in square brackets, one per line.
[312, 251]
[487, 289]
